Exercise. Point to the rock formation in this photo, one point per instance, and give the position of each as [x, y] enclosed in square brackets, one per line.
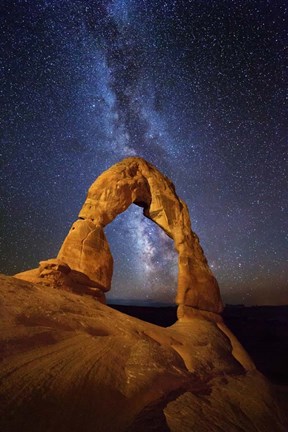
[70, 363]
[86, 251]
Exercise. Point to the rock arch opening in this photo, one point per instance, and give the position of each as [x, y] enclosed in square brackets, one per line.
[145, 261]
[133, 180]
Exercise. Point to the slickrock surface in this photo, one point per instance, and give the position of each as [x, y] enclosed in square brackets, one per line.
[86, 252]
[69, 363]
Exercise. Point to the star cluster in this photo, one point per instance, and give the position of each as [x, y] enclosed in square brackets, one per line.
[195, 87]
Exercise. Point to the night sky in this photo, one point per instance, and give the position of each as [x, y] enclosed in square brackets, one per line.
[195, 87]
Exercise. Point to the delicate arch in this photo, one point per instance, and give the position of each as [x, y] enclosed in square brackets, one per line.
[133, 180]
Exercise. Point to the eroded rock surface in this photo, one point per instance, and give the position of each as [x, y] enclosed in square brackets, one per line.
[69, 363]
[86, 251]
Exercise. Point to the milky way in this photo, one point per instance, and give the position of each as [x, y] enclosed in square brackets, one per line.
[195, 87]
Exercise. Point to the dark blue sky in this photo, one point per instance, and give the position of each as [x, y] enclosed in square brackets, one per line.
[195, 87]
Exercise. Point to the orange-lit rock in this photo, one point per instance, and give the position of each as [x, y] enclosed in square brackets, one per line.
[86, 251]
[134, 180]
[69, 363]
[55, 273]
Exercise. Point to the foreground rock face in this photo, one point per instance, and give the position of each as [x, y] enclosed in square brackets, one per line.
[86, 251]
[69, 363]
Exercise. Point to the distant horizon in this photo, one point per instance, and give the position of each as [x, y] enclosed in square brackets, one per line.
[146, 303]
[161, 303]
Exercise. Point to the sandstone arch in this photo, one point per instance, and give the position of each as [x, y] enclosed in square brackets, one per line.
[133, 180]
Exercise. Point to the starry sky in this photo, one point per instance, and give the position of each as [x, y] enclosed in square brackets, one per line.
[195, 87]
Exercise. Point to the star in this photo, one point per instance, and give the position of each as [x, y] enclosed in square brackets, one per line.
[196, 88]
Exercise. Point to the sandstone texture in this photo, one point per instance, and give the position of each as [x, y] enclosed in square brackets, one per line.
[86, 252]
[69, 363]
